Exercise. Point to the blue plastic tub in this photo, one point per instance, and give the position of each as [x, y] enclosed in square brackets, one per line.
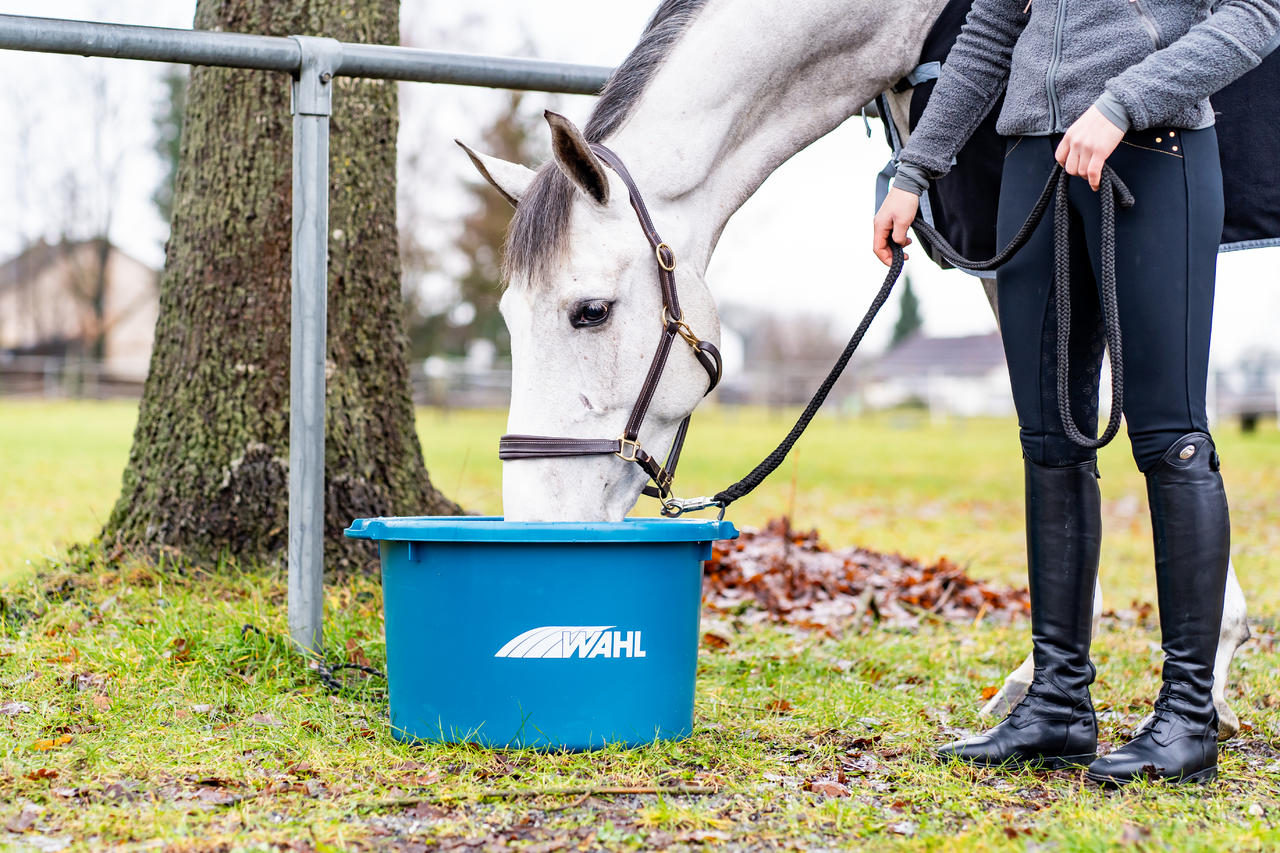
[547, 635]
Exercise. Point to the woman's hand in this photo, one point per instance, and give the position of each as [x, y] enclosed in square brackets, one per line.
[1087, 145]
[893, 219]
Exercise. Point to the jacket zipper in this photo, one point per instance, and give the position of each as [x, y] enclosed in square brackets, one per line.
[1052, 91]
[1148, 22]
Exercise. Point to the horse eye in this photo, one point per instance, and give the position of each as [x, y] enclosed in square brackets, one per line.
[591, 313]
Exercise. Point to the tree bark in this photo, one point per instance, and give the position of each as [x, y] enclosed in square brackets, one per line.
[208, 472]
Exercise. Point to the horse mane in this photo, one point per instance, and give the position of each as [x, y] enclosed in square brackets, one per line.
[539, 229]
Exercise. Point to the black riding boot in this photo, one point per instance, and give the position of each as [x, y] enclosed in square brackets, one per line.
[1054, 725]
[1192, 550]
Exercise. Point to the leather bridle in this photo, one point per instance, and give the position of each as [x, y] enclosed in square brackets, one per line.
[627, 445]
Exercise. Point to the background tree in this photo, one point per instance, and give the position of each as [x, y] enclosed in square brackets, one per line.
[86, 213]
[208, 470]
[910, 319]
[514, 135]
[168, 123]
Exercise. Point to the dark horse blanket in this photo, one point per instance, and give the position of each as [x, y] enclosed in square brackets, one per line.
[962, 205]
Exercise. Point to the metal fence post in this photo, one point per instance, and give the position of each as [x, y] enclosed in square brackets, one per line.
[312, 103]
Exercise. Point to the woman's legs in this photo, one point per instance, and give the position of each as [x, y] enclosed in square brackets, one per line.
[1166, 259]
[1055, 723]
[1168, 256]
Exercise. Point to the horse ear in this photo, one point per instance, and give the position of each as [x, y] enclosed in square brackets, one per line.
[573, 155]
[510, 179]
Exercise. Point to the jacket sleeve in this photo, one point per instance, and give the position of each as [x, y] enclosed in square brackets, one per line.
[973, 76]
[1210, 55]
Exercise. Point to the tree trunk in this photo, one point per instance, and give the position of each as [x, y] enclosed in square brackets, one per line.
[208, 471]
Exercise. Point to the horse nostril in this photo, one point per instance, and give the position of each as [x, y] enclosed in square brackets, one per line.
[586, 402]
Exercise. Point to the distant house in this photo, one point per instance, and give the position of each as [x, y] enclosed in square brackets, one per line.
[776, 359]
[957, 376]
[79, 299]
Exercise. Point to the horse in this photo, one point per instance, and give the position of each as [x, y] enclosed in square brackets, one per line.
[715, 96]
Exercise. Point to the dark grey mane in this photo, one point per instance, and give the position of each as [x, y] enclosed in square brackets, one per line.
[541, 222]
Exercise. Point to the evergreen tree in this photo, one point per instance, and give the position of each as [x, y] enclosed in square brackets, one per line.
[909, 318]
[513, 136]
[168, 123]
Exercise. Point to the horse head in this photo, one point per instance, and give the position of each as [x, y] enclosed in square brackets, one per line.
[584, 308]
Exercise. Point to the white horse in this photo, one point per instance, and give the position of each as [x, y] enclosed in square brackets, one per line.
[714, 98]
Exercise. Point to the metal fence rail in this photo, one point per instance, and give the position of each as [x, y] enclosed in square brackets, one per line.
[275, 53]
[313, 63]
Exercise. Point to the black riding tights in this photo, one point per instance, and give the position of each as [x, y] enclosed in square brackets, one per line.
[1166, 258]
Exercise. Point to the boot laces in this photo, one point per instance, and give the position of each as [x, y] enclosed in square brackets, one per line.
[1035, 689]
[1161, 712]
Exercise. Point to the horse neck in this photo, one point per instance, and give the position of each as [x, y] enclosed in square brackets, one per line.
[749, 84]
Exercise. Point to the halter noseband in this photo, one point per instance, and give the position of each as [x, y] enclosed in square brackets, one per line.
[627, 446]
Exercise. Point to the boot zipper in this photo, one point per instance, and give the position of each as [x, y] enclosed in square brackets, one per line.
[1148, 22]
[1050, 89]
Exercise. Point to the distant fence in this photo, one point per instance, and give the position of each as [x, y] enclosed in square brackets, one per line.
[452, 383]
[54, 377]
[1247, 393]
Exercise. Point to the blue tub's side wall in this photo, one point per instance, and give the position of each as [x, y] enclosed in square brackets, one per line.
[450, 607]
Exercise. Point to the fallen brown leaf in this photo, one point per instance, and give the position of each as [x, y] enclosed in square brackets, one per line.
[829, 787]
[180, 649]
[355, 654]
[23, 820]
[46, 744]
[1133, 834]
[715, 641]
[216, 796]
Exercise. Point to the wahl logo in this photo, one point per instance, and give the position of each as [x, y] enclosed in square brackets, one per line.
[565, 641]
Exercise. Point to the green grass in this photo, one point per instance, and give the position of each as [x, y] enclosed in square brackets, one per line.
[894, 483]
[152, 714]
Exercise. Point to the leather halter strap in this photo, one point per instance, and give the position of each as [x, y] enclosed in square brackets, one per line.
[627, 446]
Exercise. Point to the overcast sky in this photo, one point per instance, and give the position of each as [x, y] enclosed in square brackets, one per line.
[819, 205]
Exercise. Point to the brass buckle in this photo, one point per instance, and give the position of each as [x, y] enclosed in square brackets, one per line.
[682, 328]
[662, 262]
[626, 443]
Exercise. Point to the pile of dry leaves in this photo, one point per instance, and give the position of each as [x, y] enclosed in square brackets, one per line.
[788, 576]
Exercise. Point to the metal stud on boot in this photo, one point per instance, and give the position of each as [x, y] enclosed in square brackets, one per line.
[1192, 547]
[1054, 726]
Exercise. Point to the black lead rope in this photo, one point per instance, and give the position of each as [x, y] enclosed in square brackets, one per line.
[1112, 189]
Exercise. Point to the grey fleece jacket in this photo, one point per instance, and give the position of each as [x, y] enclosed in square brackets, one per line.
[1147, 63]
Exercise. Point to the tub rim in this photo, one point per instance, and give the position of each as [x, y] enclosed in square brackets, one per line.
[493, 528]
